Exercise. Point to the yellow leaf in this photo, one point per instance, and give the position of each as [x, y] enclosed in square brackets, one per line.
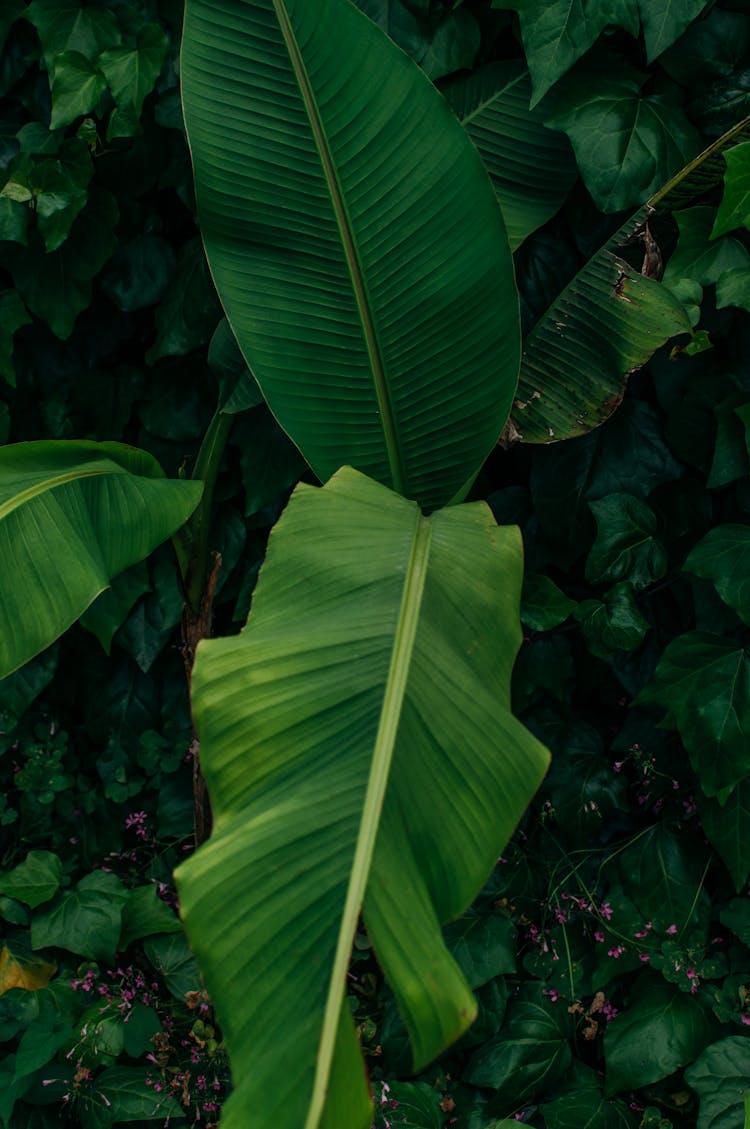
[30, 974]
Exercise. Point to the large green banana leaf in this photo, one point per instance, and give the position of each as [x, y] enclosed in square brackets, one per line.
[72, 516]
[354, 238]
[531, 166]
[360, 754]
[608, 321]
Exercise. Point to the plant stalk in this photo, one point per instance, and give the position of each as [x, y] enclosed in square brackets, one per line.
[199, 568]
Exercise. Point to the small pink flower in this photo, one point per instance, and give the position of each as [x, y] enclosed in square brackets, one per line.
[671, 930]
[599, 936]
[644, 957]
[605, 909]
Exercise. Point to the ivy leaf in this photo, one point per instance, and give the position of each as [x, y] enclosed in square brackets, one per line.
[418, 1105]
[138, 273]
[625, 547]
[121, 1095]
[703, 683]
[15, 218]
[146, 914]
[696, 257]
[627, 145]
[730, 460]
[721, 105]
[664, 20]
[712, 46]
[13, 316]
[41, 1041]
[57, 286]
[483, 945]
[721, 1079]
[530, 1053]
[733, 288]
[24, 972]
[60, 189]
[557, 33]
[727, 828]
[582, 1104]
[35, 880]
[132, 73]
[189, 311]
[736, 916]
[543, 605]
[86, 920]
[734, 210]
[63, 25]
[77, 86]
[661, 873]
[627, 455]
[173, 960]
[723, 556]
[582, 788]
[660, 1030]
[612, 624]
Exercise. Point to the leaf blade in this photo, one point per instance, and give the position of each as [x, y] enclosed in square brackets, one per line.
[355, 190]
[332, 733]
[72, 515]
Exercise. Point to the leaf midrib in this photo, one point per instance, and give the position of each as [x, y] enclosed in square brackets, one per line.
[390, 715]
[468, 118]
[351, 253]
[31, 492]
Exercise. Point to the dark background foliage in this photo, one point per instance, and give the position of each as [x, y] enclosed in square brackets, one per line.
[610, 950]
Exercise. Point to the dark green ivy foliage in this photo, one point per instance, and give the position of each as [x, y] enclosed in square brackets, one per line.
[610, 951]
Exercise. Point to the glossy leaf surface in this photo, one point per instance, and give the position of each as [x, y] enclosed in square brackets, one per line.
[721, 1078]
[723, 556]
[703, 682]
[735, 205]
[72, 516]
[627, 143]
[355, 241]
[726, 827]
[359, 725]
[662, 1030]
[557, 33]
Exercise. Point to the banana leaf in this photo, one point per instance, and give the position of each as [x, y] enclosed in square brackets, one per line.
[361, 756]
[609, 320]
[531, 166]
[355, 241]
[72, 516]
